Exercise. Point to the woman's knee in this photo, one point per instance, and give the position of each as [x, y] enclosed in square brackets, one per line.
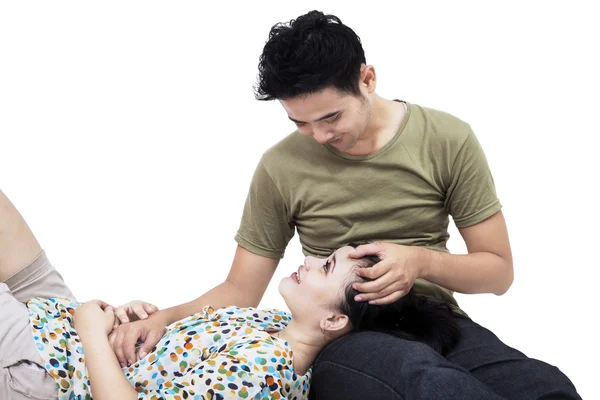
[18, 245]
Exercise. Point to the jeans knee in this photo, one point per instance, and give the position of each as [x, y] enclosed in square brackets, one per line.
[371, 360]
[553, 375]
[387, 351]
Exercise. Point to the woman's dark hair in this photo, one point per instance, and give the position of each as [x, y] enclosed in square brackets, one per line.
[412, 317]
[307, 55]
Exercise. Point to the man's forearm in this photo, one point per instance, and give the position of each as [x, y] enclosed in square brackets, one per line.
[467, 273]
[225, 294]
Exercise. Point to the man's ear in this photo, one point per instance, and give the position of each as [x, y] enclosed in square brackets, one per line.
[335, 323]
[368, 78]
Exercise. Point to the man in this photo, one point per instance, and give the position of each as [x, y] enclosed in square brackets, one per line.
[362, 167]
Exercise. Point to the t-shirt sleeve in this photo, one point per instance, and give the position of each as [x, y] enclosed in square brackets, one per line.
[220, 377]
[471, 196]
[266, 227]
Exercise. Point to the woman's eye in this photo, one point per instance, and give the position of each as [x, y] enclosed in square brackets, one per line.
[326, 266]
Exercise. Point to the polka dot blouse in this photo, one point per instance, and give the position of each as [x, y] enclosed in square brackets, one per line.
[221, 353]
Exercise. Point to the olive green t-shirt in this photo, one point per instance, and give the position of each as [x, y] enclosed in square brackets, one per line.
[403, 193]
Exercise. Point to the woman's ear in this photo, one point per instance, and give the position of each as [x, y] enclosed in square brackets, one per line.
[335, 323]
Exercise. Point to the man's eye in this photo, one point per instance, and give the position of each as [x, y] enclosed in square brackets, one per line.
[326, 266]
[300, 124]
[333, 120]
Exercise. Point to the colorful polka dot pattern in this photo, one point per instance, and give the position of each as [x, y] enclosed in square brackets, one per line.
[217, 354]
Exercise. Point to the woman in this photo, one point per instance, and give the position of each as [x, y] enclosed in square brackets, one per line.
[220, 353]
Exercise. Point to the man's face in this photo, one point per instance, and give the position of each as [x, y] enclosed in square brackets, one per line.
[330, 117]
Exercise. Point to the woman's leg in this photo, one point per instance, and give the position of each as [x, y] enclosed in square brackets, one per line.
[507, 371]
[24, 267]
[22, 375]
[372, 365]
[24, 273]
[18, 245]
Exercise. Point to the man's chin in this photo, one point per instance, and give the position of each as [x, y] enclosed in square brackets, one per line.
[346, 144]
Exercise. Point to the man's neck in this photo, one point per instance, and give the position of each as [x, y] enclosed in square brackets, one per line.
[386, 118]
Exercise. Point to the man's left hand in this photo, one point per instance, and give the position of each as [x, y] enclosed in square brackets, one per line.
[393, 276]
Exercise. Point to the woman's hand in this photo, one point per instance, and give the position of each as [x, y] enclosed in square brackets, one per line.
[133, 311]
[94, 321]
[94, 315]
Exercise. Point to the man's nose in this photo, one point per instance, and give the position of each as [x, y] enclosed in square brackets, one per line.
[322, 136]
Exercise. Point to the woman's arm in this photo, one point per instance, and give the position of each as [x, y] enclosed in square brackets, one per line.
[107, 380]
[94, 321]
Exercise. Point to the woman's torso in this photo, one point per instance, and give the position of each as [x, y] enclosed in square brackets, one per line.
[223, 352]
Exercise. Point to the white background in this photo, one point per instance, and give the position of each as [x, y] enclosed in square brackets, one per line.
[129, 134]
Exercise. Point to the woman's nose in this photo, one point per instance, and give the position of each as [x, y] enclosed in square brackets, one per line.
[309, 262]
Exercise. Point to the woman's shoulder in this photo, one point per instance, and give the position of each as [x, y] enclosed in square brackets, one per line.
[268, 317]
[263, 319]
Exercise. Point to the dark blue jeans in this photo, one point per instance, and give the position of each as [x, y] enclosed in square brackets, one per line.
[372, 365]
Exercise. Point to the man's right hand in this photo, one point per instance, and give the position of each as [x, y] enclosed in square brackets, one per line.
[134, 311]
[124, 338]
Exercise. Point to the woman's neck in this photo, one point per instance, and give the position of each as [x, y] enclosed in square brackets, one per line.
[305, 345]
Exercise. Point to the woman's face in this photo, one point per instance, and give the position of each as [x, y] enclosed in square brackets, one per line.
[317, 288]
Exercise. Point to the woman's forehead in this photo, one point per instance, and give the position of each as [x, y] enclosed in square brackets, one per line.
[341, 255]
[341, 251]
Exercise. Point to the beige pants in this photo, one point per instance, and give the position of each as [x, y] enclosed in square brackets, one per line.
[22, 375]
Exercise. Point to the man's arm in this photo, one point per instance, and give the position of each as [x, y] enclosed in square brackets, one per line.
[488, 268]
[244, 286]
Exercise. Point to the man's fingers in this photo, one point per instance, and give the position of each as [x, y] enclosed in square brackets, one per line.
[149, 343]
[138, 309]
[131, 338]
[378, 292]
[384, 296]
[111, 339]
[118, 346]
[116, 322]
[375, 272]
[374, 286]
[150, 308]
[374, 295]
[394, 296]
[135, 310]
[364, 250]
[121, 313]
